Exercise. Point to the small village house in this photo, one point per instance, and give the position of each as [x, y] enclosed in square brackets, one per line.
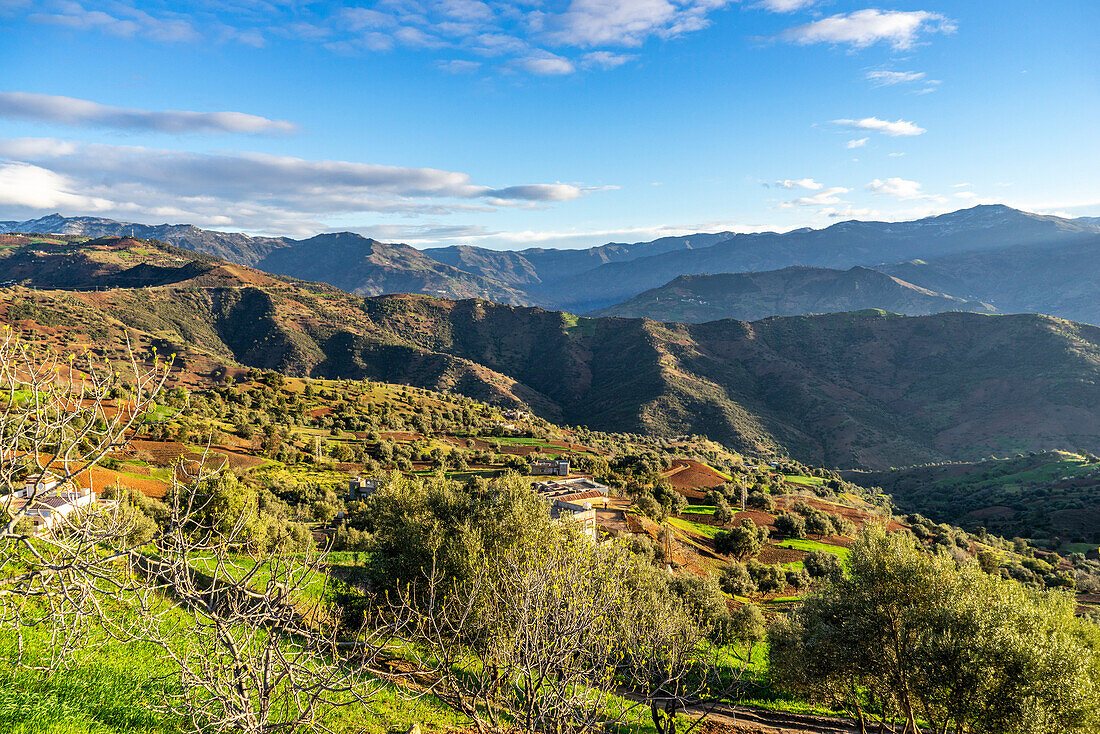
[574, 500]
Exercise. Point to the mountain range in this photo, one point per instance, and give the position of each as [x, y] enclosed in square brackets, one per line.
[787, 292]
[862, 389]
[985, 258]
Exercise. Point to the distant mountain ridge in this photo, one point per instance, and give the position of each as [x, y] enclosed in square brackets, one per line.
[788, 292]
[368, 267]
[232, 246]
[546, 266]
[596, 278]
[841, 245]
[1063, 280]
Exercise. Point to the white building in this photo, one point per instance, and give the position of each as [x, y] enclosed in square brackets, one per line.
[572, 499]
[47, 501]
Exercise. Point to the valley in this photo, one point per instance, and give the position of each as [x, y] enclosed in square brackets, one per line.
[861, 389]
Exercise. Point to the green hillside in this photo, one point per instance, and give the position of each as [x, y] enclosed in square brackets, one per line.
[1050, 494]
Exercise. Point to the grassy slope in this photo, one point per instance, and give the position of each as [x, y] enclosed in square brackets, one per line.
[1047, 495]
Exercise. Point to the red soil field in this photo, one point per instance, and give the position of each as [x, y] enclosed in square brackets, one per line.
[689, 474]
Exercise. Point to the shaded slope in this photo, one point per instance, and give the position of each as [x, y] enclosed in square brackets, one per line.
[364, 266]
[788, 292]
[1063, 281]
[854, 389]
[1049, 494]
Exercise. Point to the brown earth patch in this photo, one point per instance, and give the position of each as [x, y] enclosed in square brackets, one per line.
[400, 435]
[771, 554]
[856, 515]
[164, 453]
[690, 474]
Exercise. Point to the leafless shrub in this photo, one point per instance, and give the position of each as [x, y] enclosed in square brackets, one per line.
[247, 635]
[544, 636]
[58, 417]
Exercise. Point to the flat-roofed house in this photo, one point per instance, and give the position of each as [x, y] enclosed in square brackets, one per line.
[550, 467]
[573, 500]
[39, 485]
[47, 501]
[361, 487]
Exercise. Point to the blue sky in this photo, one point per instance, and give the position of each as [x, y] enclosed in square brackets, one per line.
[560, 123]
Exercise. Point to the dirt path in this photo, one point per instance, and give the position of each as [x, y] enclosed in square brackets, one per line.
[731, 718]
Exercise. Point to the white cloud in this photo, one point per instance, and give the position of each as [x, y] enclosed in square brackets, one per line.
[467, 10]
[902, 189]
[864, 28]
[896, 155]
[859, 143]
[896, 128]
[459, 66]
[785, 6]
[32, 187]
[545, 63]
[847, 212]
[72, 111]
[127, 22]
[254, 190]
[593, 23]
[961, 185]
[606, 59]
[830, 195]
[535, 36]
[883, 78]
[800, 183]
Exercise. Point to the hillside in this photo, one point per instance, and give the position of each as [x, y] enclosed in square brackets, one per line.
[545, 266]
[862, 389]
[1050, 494]
[1063, 281]
[368, 267]
[788, 292]
[232, 246]
[596, 278]
[840, 246]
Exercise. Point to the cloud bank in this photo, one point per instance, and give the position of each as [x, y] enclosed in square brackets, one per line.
[253, 191]
[897, 128]
[72, 111]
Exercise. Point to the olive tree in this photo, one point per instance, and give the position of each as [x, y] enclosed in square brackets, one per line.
[910, 635]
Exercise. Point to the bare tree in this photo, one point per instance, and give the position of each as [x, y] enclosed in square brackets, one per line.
[58, 417]
[246, 633]
[242, 628]
[669, 663]
[557, 635]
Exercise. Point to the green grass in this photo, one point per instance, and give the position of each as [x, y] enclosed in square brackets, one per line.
[160, 413]
[698, 510]
[800, 479]
[804, 544]
[111, 691]
[707, 530]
